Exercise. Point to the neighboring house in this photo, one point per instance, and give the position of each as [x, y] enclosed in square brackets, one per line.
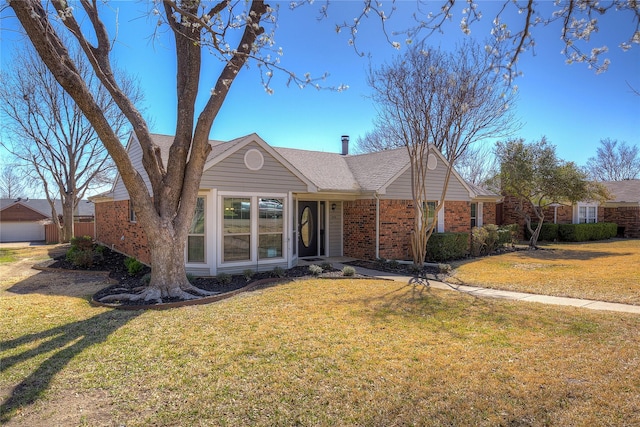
[23, 220]
[623, 209]
[261, 206]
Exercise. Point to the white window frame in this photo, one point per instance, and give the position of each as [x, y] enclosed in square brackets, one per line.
[588, 219]
[254, 228]
[204, 237]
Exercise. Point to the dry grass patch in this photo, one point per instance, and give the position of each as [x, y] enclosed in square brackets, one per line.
[606, 271]
[319, 352]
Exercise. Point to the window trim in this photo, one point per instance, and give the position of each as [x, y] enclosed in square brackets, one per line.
[203, 234]
[587, 217]
[254, 228]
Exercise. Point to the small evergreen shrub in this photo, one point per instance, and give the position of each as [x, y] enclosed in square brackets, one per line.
[348, 271]
[326, 266]
[133, 266]
[146, 279]
[81, 253]
[278, 272]
[548, 233]
[315, 270]
[248, 274]
[447, 246]
[224, 278]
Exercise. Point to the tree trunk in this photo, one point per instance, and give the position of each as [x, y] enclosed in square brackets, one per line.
[67, 220]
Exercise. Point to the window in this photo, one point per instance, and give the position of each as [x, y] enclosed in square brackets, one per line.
[195, 238]
[474, 215]
[236, 229]
[270, 228]
[132, 212]
[431, 213]
[587, 214]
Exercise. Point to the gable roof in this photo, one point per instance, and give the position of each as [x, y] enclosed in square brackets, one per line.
[627, 191]
[41, 206]
[326, 171]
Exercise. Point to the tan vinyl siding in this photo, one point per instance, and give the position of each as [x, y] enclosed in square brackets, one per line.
[335, 229]
[400, 189]
[233, 175]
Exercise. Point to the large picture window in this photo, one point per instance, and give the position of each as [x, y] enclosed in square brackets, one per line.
[195, 239]
[236, 229]
[270, 228]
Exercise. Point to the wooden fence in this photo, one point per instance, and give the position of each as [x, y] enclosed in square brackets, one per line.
[79, 229]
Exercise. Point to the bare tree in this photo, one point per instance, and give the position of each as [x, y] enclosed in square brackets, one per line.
[478, 164]
[12, 183]
[51, 136]
[614, 162]
[432, 100]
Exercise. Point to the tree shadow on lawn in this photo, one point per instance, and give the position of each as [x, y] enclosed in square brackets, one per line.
[64, 342]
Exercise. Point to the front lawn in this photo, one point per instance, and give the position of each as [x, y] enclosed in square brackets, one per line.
[318, 352]
[606, 271]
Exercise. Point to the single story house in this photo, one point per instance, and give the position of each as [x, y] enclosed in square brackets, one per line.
[23, 220]
[261, 206]
[623, 209]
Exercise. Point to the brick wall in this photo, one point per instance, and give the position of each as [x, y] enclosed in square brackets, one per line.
[563, 214]
[457, 217]
[360, 229]
[112, 224]
[627, 217]
[396, 223]
[488, 213]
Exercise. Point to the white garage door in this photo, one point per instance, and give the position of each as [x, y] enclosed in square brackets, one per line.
[21, 231]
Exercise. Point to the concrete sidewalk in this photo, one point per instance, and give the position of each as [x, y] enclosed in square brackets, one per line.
[510, 295]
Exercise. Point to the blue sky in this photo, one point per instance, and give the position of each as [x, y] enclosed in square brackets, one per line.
[570, 104]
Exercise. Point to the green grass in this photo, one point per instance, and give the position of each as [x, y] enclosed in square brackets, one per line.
[606, 271]
[319, 352]
[7, 255]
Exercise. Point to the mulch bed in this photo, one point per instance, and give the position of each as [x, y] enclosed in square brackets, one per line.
[114, 263]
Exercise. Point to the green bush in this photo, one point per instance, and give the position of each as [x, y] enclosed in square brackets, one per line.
[278, 272]
[83, 243]
[133, 266]
[507, 234]
[81, 254]
[586, 232]
[224, 278]
[549, 232]
[447, 246]
[248, 274]
[326, 266]
[80, 257]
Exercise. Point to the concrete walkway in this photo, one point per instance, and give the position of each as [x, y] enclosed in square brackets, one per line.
[496, 293]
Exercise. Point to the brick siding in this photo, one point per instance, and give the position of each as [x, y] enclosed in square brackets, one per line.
[396, 223]
[627, 217]
[563, 215]
[112, 224]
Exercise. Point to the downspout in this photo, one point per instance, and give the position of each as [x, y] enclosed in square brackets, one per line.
[377, 197]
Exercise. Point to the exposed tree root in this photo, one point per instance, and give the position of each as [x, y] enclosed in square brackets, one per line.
[153, 294]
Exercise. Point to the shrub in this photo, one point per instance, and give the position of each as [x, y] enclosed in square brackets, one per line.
[80, 257]
[315, 270]
[224, 278]
[507, 234]
[585, 232]
[447, 246]
[278, 272]
[190, 278]
[548, 233]
[348, 271]
[83, 243]
[326, 266]
[133, 266]
[248, 274]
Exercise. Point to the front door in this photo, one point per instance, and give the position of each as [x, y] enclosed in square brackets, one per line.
[308, 231]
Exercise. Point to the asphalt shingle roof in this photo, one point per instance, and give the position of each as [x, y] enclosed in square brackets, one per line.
[624, 191]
